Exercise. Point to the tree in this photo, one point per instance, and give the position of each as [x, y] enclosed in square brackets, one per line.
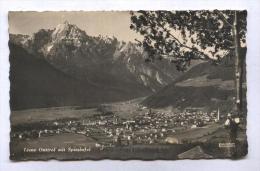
[183, 36]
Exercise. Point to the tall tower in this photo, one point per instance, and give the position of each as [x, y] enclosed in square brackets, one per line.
[218, 117]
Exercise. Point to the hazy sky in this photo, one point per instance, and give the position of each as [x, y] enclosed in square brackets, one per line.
[94, 23]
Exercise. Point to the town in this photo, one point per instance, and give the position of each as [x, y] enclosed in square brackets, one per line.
[148, 126]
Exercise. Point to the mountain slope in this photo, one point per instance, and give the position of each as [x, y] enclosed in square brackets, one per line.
[100, 60]
[205, 85]
[35, 83]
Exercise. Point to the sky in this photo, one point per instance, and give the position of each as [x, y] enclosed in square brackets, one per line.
[94, 23]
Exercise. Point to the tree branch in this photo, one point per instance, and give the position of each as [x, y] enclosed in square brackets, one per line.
[204, 56]
[224, 18]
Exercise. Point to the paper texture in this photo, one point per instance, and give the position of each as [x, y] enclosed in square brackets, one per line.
[144, 85]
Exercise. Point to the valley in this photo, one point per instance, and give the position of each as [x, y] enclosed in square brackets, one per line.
[95, 97]
[113, 128]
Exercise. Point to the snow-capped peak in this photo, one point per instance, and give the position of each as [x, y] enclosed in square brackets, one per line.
[61, 28]
[67, 31]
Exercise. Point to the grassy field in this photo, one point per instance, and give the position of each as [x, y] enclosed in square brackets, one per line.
[193, 135]
[143, 152]
[64, 140]
[122, 109]
[50, 114]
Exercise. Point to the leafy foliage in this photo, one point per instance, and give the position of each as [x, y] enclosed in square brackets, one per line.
[182, 36]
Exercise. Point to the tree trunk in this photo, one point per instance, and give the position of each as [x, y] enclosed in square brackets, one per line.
[238, 66]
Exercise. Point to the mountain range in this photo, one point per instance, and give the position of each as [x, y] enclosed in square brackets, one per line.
[98, 69]
[204, 86]
[65, 66]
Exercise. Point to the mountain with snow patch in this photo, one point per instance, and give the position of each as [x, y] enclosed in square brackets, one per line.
[113, 70]
[71, 50]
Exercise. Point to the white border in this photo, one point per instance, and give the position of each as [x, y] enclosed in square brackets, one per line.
[251, 162]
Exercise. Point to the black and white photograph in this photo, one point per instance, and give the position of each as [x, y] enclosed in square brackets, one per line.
[128, 85]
